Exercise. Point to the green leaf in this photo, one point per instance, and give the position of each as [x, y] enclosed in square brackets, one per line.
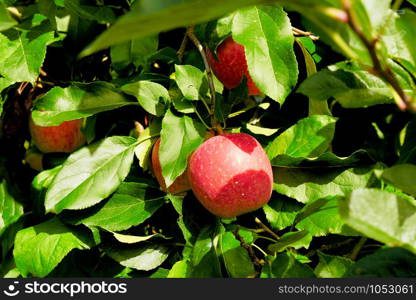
[39, 249]
[332, 266]
[10, 209]
[310, 137]
[321, 218]
[40, 185]
[382, 216]
[266, 34]
[151, 96]
[281, 212]
[408, 150]
[6, 21]
[191, 81]
[298, 239]
[101, 14]
[312, 184]
[325, 160]
[402, 177]
[130, 205]
[153, 16]
[180, 136]
[77, 101]
[406, 30]
[91, 174]
[204, 259]
[316, 107]
[236, 259]
[180, 269]
[22, 54]
[261, 130]
[385, 263]
[285, 265]
[145, 143]
[134, 239]
[353, 89]
[144, 258]
[136, 52]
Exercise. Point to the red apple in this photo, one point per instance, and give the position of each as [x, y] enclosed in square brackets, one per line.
[231, 66]
[231, 175]
[66, 137]
[179, 186]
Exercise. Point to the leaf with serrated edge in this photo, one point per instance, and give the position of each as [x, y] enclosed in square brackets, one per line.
[91, 174]
[39, 249]
[266, 34]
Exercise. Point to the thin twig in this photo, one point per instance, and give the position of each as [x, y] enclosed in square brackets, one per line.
[190, 33]
[357, 248]
[385, 73]
[267, 229]
[182, 49]
[258, 263]
[299, 32]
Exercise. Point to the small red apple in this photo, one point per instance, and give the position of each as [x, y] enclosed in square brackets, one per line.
[231, 175]
[66, 137]
[179, 186]
[231, 66]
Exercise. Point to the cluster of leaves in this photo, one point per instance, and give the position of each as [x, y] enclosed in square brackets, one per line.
[343, 153]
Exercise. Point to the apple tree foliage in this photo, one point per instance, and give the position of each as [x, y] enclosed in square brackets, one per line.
[336, 117]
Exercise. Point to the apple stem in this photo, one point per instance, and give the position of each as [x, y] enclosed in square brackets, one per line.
[200, 118]
[190, 33]
[267, 229]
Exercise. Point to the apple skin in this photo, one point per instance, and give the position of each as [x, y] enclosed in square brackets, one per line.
[66, 137]
[231, 175]
[232, 66]
[179, 186]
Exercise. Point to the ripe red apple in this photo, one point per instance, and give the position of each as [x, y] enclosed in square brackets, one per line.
[231, 66]
[66, 137]
[179, 186]
[231, 175]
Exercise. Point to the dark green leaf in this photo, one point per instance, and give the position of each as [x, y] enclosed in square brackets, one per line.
[352, 87]
[296, 240]
[77, 101]
[386, 263]
[332, 266]
[153, 16]
[285, 265]
[236, 259]
[402, 177]
[204, 259]
[136, 52]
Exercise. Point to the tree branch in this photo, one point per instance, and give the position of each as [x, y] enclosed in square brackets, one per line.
[384, 72]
